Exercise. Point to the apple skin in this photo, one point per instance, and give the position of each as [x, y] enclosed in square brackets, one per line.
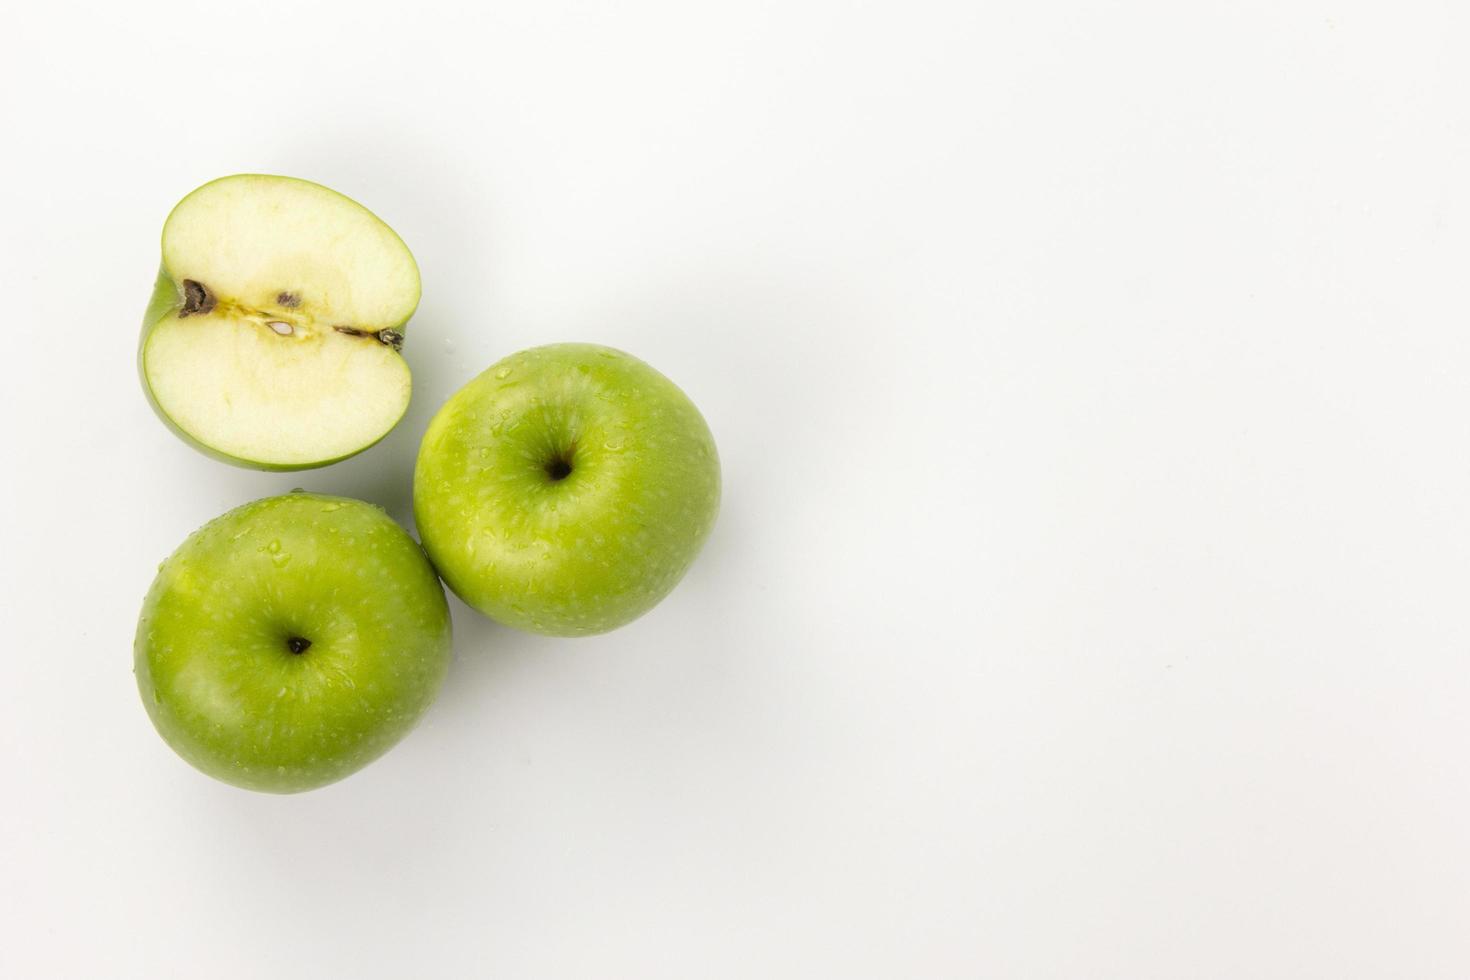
[581, 552]
[165, 302]
[213, 651]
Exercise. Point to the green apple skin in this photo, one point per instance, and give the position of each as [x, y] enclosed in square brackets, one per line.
[566, 490]
[165, 303]
[218, 652]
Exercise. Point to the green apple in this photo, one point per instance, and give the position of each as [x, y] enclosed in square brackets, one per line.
[272, 339]
[292, 641]
[566, 490]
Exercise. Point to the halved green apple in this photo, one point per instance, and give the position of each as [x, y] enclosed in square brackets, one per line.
[274, 333]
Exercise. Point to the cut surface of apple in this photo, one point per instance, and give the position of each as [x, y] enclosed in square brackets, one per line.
[274, 334]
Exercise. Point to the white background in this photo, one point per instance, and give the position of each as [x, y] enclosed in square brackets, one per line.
[1089, 595]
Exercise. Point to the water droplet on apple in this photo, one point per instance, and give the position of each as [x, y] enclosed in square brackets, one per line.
[615, 443]
[503, 373]
[331, 507]
[273, 547]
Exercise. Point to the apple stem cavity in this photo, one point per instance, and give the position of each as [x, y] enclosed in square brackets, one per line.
[197, 299]
[298, 644]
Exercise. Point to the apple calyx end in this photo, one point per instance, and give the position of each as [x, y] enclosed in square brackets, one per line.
[197, 299]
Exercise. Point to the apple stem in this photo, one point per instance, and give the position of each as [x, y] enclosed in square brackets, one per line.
[389, 338]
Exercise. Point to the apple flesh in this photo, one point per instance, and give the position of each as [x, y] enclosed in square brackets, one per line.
[291, 641]
[273, 336]
[566, 490]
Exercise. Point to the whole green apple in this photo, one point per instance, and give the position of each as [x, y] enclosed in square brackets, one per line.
[566, 490]
[272, 338]
[291, 641]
